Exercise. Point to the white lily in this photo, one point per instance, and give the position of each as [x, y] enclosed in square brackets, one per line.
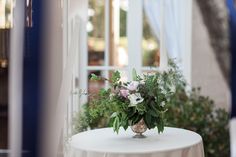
[135, 99]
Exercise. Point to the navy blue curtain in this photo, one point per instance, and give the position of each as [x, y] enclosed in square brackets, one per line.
[232, 24]
[31, 82]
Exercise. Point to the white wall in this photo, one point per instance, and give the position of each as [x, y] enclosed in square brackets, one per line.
[205, 69]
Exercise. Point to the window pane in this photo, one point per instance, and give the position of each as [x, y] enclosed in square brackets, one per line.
[96, 31]
[95, 86]
[118, 35]
[151, 50]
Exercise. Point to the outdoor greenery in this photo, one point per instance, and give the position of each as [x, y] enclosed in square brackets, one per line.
[186, 109]
[194, 112]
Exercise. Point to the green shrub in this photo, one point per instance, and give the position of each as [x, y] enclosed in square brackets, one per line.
[198, 113]
[92, 116]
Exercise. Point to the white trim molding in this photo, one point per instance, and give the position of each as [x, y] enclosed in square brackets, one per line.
[233, 137]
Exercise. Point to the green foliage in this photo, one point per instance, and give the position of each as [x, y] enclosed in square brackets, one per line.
[93, 115]
[134, 75]
[197, 113]
[95, 77]
[186, 109]
[115, 77]
[145, 99]
[123, 22]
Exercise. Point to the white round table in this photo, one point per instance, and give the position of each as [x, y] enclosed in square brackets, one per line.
[174, 142]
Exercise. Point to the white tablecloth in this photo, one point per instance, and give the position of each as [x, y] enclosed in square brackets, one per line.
[173, 142]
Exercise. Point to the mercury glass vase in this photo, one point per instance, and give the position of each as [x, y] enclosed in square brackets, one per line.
[139, 128]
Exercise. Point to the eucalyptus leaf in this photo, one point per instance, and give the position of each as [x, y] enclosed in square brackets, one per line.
[134, 75]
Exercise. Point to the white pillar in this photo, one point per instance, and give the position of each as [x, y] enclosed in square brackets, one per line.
[135, 35]
[187, 54]
[16, 81]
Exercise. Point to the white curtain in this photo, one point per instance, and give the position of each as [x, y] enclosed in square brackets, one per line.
[176, 26]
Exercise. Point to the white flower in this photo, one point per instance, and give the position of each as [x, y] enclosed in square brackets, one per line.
[163, 91]
[163, 104]
[142, 82]
[133, 85]
[135, 99]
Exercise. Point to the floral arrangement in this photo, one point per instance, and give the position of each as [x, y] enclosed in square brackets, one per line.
[144, 98]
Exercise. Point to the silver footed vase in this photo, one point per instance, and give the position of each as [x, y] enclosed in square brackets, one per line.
[139, 128]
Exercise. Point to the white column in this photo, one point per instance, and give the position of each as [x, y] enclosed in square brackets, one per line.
[163, 50]
[187, 42]
[135, 35]
[16, 81]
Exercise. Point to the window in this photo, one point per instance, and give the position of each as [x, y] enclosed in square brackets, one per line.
[6, 14]
[119, 38]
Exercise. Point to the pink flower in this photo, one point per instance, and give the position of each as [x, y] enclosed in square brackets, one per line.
[124, 92]
[133, 85]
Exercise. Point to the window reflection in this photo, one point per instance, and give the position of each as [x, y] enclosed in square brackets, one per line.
[150, 45]
[6, 14]
[96, 32]
[117, 45]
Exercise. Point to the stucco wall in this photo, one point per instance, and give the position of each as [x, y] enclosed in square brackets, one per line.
[205, 70]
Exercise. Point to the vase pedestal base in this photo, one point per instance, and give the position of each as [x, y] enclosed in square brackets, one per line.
[139, 135]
